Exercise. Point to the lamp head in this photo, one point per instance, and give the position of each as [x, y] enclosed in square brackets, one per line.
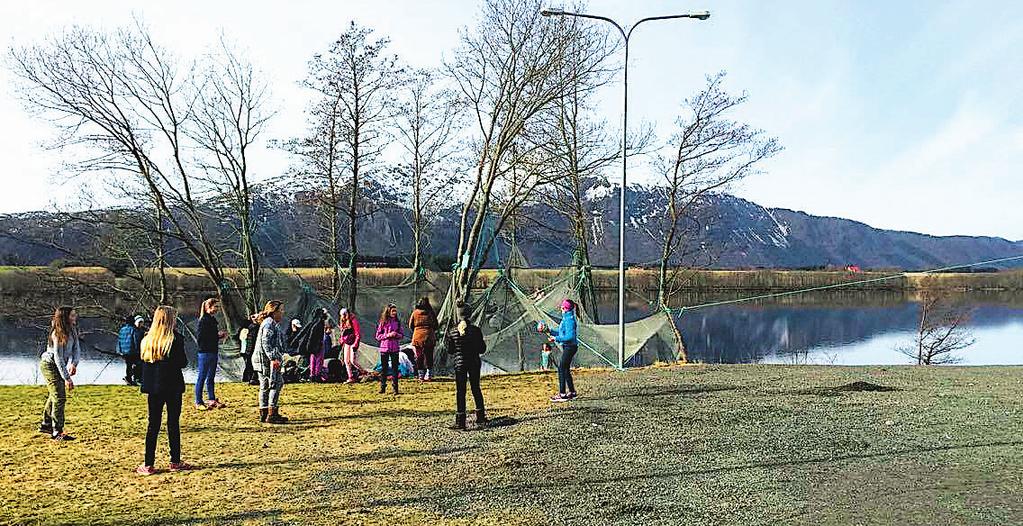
[700, 15]
[552, 12]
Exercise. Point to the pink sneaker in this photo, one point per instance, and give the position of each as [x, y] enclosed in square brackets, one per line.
[145, 470]
[181, 466]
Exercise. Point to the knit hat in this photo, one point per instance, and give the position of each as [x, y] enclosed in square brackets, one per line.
[139, 319]
[568, 304]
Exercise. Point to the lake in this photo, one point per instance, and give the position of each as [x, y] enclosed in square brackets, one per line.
[851, 328]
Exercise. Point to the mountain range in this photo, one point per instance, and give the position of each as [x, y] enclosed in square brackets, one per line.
[729, 233]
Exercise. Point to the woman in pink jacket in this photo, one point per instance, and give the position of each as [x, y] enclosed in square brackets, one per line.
[389, 334]
[349, 340]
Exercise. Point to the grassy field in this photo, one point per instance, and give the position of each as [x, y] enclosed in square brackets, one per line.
[665, 445]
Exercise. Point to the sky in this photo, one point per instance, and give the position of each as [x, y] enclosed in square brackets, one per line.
[903, 115]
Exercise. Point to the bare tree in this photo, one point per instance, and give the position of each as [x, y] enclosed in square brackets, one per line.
[230, 116]
[320, 173]
[941, 331]
[426, 126]
[128, 103]
[357, 79]
[509, 70]
[707, 153]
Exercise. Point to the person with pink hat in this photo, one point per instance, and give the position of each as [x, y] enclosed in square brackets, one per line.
[565, 334]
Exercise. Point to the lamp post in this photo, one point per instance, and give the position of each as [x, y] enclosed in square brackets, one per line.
[698, 15]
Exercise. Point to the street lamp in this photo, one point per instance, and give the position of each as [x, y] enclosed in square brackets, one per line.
[698, 15]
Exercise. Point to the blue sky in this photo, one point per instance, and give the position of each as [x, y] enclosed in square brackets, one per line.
[903, 115]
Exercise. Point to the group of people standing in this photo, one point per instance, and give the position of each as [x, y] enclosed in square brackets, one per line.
[155, 359]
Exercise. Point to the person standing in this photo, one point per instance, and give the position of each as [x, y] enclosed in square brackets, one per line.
[209, 336]
[58, 363]
[423, 323]
[266, 360]
[565, 334]
[465, 345]
[129, 341]
[389, 334]
[247, 341]
[163, 359]
[316, 370]
[350, 338]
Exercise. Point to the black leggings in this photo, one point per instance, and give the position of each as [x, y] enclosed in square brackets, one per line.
[473, 376]
[391, 357]
[156, 403]
[565, 369]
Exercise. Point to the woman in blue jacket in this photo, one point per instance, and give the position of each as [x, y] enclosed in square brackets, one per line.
[565, 334]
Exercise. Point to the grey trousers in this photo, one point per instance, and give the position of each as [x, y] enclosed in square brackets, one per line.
[270, 389]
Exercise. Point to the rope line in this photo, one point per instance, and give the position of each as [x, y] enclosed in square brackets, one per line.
[840, 285]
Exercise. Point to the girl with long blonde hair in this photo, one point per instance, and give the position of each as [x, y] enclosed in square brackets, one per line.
[58, 363]
[163, 359]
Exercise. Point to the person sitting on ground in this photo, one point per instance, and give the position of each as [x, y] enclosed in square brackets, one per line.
[389, 334]
[266, 360]
[129, 341]
[58, 364]
[163, 359]
[423, 323]
[465, 345]
[565, 334]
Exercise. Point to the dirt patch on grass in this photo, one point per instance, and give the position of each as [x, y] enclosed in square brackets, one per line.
[865, 387]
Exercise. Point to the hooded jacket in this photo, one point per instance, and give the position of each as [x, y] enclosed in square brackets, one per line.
[565, 333]
[465, 348]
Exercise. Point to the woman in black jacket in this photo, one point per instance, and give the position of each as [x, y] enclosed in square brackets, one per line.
[465, 344]
[163, 358]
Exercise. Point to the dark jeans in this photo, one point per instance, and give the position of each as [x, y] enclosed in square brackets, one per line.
[207, 372]
[132, 368]
[565, 368]
[391, 357]
[156, 403]
[473, 376]
[249, 374]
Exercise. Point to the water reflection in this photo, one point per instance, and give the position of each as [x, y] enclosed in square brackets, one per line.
[852, 328]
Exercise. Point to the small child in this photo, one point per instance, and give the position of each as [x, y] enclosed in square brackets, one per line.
[545, 357]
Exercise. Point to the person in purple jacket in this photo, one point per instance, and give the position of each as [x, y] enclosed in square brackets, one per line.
[389, 334]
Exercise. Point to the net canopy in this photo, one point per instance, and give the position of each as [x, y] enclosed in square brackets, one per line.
[507, 314]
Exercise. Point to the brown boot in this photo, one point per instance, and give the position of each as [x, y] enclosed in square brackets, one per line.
[263, 414]
[276, 418]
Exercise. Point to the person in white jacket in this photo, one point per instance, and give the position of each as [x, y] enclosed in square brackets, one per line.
[58, 363]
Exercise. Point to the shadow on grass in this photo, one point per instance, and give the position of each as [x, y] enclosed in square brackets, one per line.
[271, 516]
[451, 500]
[646, 393]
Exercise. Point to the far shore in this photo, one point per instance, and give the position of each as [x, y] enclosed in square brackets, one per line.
[27, 280]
